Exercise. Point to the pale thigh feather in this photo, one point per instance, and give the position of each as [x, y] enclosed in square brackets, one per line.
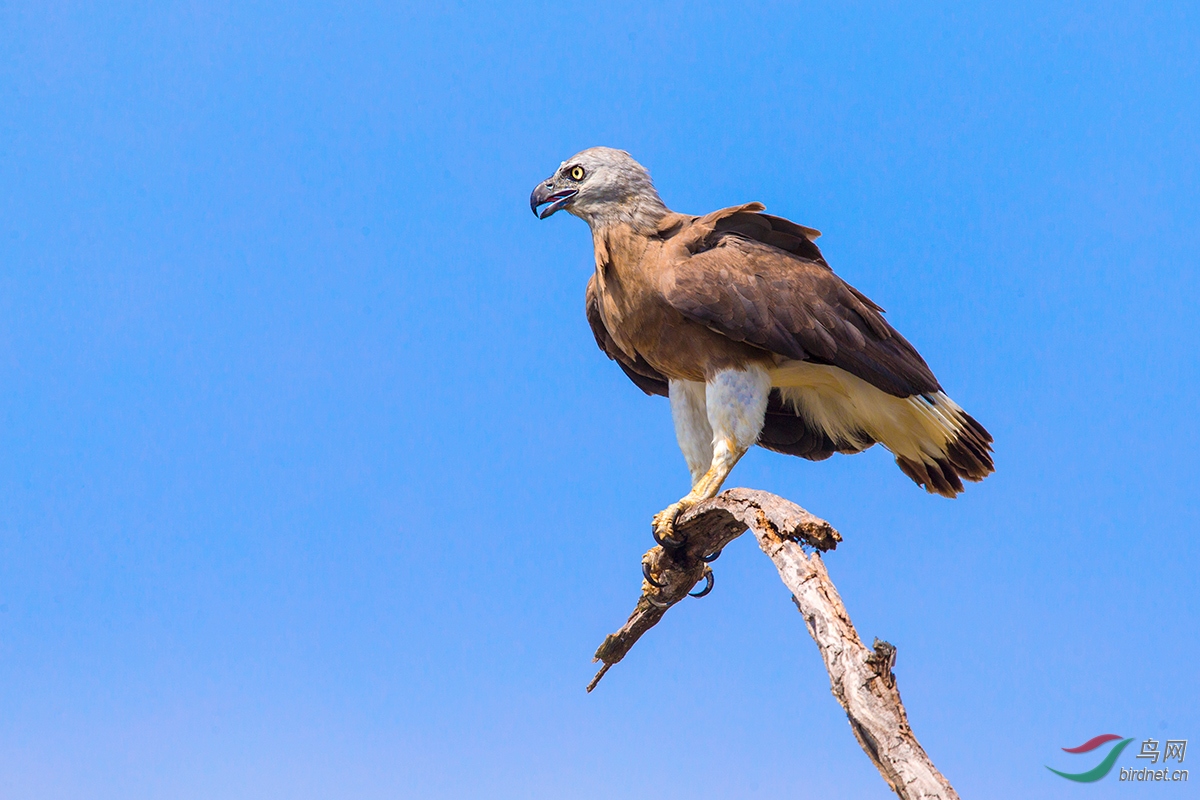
[690, 415]
[717, 421]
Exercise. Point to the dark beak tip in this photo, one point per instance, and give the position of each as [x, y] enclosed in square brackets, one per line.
[542, 195]
[539, 197]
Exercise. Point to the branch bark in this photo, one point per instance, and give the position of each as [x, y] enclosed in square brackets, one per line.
[861, 679]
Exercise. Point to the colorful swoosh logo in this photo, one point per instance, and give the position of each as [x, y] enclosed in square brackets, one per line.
[1092, 744]
[1101, 769]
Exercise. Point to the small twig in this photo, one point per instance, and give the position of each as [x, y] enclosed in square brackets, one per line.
[599, 675]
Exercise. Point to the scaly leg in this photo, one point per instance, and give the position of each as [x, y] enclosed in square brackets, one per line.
[735, 403]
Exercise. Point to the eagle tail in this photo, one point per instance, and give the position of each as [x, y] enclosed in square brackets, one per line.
[817, 410]
[955, 447]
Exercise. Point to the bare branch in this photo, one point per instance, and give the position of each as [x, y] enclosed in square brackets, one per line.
[861, 679]
[707, 528]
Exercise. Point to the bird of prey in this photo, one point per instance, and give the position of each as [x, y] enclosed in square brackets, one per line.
[736, 317]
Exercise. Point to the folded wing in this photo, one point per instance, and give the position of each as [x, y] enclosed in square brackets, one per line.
[783, 431]
[761, 280]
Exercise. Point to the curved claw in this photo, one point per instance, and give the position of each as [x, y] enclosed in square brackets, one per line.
[657, 604]
[711, 557]
[708, 579]
[650, 578]
[666, 541]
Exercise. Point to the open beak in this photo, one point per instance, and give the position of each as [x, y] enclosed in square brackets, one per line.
[543, 194]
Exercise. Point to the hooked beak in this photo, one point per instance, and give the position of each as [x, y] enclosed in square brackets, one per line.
[543, 194]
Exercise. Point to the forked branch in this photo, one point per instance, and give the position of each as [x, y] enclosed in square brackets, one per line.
[861, 679]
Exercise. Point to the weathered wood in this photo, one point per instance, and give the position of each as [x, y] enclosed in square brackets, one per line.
[861, 679]
[706, 529]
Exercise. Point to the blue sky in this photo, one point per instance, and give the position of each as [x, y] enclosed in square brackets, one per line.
[315, 484]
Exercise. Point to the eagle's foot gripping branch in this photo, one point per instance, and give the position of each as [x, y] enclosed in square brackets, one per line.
[657, 577]
[700, 532]
[663, 526]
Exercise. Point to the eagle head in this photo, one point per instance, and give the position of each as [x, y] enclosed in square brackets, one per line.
[602, 186]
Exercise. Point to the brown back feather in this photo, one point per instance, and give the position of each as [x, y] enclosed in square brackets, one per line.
[762, 280]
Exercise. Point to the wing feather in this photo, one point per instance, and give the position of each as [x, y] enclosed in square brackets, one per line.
[761, 279]
[783, 431]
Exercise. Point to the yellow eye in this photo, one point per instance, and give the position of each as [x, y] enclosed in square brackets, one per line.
[577, 173]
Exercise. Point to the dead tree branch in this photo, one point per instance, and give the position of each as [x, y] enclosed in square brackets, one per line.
[861, 679]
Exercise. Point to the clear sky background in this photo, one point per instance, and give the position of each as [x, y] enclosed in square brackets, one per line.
[314, 484]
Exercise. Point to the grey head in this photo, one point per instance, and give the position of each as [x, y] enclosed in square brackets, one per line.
[602, 186]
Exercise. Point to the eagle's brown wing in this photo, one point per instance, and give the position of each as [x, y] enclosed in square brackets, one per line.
[646, 377]
[783, 431]
[760, 279]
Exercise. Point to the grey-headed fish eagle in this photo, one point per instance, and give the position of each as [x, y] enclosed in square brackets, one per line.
[737, 319]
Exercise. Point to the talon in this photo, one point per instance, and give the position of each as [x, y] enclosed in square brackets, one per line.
[649, 578]
[711, 557]
[657, 604]
[665, 520]
[708, 578]
[667, 541]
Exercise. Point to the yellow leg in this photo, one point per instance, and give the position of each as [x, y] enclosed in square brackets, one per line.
[726, 455]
